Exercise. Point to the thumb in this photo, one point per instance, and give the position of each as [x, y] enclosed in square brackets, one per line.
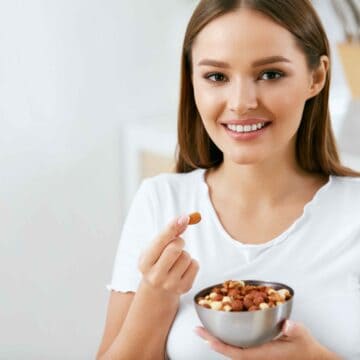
[180, 224]
[294, 330]
[174, 229]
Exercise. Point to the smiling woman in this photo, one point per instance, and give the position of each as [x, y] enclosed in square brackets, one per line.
[262, 85]
[257, 158]
[292, 39]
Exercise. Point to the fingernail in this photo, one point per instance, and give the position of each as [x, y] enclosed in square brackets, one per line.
[183, 220]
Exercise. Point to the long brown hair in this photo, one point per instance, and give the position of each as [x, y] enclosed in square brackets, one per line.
[316, 149]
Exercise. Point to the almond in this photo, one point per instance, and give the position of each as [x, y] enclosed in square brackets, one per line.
[195, 217]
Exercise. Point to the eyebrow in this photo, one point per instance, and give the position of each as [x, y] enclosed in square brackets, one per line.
[264, 61]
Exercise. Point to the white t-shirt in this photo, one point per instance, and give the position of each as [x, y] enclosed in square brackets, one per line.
[318, 256]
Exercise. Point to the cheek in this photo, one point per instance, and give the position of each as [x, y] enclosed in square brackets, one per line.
[208, 103]
[286, 103]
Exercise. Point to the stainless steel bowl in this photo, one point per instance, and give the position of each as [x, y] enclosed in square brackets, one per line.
[244, 328]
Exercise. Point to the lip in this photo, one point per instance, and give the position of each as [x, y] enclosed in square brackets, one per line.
[246, 135]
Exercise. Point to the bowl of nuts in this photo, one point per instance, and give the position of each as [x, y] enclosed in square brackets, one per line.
[244, 313]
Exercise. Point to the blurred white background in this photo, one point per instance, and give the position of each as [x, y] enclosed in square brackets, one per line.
[72, 74]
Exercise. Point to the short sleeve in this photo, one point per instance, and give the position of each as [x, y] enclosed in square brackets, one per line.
[137, 232]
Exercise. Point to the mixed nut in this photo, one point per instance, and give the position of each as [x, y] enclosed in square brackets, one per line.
[237, 296]
[194, 218]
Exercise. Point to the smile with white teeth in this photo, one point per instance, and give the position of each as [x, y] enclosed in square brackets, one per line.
[245, 128]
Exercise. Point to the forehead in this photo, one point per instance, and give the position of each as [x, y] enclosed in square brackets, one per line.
[244, 32]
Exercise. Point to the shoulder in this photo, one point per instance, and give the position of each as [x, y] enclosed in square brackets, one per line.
[174, 181]
[171, 194]
[346, 183]
[174, 193]
[345, 191]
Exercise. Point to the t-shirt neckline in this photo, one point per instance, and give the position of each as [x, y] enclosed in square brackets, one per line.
[308, 207]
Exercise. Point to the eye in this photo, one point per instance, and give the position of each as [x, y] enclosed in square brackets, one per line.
[215, 77]
[271, 75]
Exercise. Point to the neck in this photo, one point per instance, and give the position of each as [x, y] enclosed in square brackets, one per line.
[267, 183]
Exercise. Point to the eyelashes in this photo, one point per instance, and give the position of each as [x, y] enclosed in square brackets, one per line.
[216, 75]
[268, 75]
[272, 75]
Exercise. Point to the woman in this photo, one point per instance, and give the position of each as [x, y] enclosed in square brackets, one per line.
[257, 158]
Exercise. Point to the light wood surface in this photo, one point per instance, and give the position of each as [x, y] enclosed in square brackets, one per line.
[153, 164]
[350, 58]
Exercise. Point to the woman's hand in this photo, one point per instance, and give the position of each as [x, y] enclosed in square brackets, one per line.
[295, 344]
[165, 265]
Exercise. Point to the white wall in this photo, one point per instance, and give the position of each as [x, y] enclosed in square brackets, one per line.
[71, 72]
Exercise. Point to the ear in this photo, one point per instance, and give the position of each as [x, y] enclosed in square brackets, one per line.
[318, 77]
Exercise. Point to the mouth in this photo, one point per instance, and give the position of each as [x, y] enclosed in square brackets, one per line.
[238, 128]
[247, 128]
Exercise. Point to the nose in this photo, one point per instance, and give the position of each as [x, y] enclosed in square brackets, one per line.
[242, 96]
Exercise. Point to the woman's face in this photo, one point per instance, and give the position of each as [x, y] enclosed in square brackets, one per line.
[252, 102]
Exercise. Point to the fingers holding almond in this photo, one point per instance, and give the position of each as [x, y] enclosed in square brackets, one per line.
[170, 255]
[189, 276]
[173, 230]
[173, 263]
[153, 252]
[165, 265]
[181, 265]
